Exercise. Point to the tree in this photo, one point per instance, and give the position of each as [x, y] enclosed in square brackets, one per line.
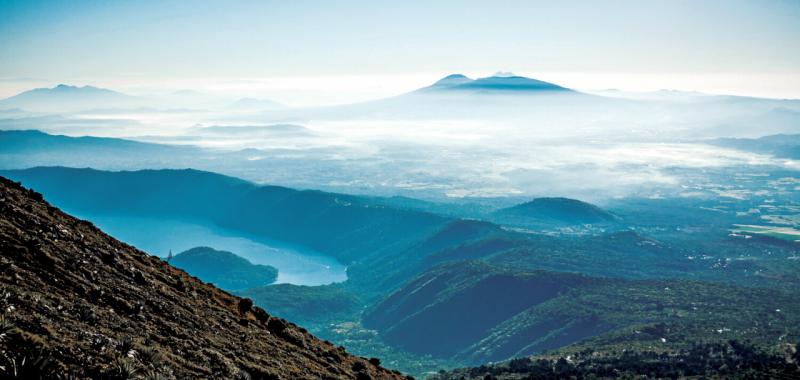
[169, 256]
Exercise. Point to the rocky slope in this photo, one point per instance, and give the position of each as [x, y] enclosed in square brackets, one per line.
[77, 303]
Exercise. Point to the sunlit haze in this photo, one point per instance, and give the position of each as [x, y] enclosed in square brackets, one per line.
[307, 52]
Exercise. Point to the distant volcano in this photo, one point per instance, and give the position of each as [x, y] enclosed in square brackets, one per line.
[501, 82]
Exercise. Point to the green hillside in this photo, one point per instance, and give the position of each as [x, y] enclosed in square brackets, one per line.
[224, 269]
[479, 313]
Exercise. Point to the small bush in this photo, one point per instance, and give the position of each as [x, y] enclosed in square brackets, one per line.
[122, 369]
[85, 314]
[7, 328]
[39, 366]
[125, 345]
[151, 356]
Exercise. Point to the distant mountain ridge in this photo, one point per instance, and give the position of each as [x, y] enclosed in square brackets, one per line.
[70, 98]
[781, 145]
[30, 140]
[452, 80]
[457, 96]
[69, 89]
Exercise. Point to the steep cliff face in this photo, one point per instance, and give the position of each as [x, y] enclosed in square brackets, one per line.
[77, 302]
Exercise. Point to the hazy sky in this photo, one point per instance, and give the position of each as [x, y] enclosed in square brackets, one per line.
[745, 47]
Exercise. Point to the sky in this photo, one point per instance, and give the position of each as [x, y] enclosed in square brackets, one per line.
[348, 51]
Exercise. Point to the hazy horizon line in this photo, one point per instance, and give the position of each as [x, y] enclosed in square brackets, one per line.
[318, 90]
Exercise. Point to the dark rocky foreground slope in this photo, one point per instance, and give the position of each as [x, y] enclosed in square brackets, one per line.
[77, 303]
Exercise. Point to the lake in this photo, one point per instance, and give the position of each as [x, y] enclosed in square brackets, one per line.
[296, 265]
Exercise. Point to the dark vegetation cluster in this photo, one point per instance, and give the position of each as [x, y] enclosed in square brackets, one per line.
[725, 360]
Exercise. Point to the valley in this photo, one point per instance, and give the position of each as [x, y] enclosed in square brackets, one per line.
[582, 277]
